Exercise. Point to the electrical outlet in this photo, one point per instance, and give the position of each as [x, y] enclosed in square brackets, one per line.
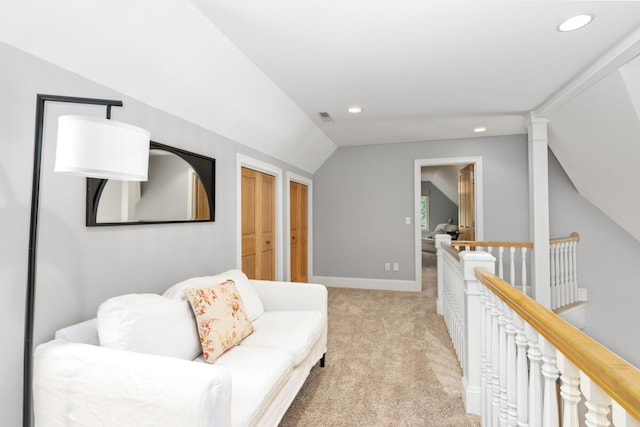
[407, 220]
[396, 266]
[387, 266]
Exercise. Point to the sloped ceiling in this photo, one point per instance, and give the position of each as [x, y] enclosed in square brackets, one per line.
[259, 72]
[596, 138]
[445, 178]
[167, 54]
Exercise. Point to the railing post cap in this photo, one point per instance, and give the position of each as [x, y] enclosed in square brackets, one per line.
[469, 260]
[476, 256]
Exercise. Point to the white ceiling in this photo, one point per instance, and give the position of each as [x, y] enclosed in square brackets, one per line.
[259, 71]
[421, 69]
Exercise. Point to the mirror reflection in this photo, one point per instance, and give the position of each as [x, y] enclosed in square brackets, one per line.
[179, 189]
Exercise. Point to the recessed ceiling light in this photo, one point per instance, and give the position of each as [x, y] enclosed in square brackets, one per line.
[355, 109]
[480, 129]
[575, 23]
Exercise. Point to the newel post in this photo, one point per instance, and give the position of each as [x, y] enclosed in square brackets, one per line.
[440, 239]
[472, 369]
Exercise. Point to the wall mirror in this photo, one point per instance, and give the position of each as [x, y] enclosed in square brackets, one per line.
[180, 188]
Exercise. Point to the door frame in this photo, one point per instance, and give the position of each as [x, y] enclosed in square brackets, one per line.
[478, 190]
[260, 166]
[293, 177]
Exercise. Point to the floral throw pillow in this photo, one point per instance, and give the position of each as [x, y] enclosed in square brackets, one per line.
[220, 316]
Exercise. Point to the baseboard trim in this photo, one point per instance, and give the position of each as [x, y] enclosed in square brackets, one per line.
[373, 284]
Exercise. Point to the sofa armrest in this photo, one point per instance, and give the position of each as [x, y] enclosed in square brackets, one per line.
[291, 296]
[78, 384]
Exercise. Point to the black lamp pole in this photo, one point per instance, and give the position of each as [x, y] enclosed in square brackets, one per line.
[27, 403]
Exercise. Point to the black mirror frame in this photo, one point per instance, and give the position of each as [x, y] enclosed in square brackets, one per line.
[204, 166]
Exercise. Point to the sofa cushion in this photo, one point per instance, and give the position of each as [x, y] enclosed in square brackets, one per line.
[148, 323]
[252, 302]
[220, 317]
[84, 332]
[257, 375]
[293, 331]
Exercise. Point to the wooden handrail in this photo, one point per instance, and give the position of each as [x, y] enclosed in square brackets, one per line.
[452, 250]
[615, 376]
[574, 237]
[474, 244]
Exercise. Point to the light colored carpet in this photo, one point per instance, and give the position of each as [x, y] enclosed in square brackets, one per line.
[390, 362]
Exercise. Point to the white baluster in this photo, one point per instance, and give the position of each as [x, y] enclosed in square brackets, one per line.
[560, 276]
[489, 301]
[524, 270]
[442, 261]
[522, 372]
[535, 386]
[563, 275]
[557, 276]
[597, 403]
[550, 415]
[495, 366]
[569, 391]
[512, 266]
[502, 328]
[483, 352]
[552, 267]
[511, 368]
[460, 317]
[574, 271]
[500, 262]
[565, 256]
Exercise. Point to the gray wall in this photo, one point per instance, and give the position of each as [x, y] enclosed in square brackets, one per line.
[80, 267]
[607, 256]
[441, 208]
[363, 194]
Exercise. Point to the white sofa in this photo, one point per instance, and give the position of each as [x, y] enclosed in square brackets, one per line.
[78, 382]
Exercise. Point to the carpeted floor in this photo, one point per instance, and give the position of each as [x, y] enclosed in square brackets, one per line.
[390, 362]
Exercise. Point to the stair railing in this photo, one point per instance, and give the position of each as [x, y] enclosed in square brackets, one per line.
[459, 297]
[564, 271]
[524, 350]
[516, 259]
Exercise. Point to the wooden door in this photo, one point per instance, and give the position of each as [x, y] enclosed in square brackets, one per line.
[466, 203]
[201, 200]
[258, 225]
[299, 219]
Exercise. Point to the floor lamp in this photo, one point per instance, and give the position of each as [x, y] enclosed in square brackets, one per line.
[86, 146]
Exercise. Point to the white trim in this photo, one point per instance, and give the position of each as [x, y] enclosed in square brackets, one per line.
[260, 166]
[471, 398]
[614, 58]
[373, 284]
[479, 206]
[293, 177]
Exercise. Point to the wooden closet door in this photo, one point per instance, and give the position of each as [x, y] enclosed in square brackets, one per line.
[258, 225]
[299, 219]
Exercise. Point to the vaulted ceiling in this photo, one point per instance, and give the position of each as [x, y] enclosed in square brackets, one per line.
[259, 72]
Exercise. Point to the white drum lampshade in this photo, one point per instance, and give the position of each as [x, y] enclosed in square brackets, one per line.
[101, 148]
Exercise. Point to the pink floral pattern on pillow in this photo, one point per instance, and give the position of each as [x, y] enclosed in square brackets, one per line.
[221, 318]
